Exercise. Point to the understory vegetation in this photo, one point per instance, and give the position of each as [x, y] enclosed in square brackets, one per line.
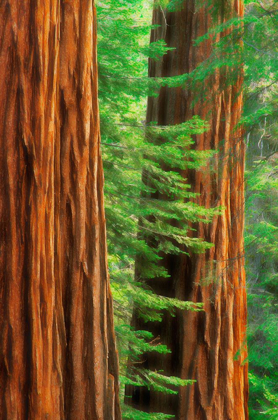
[150, 207]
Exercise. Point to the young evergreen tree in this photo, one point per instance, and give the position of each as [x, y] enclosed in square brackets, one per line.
[58, 357]
[207, 346]
[131, 146]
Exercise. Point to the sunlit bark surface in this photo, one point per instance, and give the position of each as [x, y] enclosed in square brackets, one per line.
[206, 346]
[57, 354]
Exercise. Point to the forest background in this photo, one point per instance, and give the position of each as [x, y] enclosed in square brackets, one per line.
[123, 52]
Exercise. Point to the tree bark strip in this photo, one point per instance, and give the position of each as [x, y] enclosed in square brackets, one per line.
[206, 346]
[58, 357]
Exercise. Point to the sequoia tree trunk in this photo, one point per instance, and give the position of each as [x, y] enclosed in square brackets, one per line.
[58, 357]
[207, 346]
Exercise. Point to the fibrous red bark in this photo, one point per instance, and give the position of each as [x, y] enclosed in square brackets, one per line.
[58, 357]
[207, 346]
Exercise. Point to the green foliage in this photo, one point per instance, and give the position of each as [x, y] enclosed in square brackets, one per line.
[151, 306]
[157, 381]
[138, 341]
[132, 414]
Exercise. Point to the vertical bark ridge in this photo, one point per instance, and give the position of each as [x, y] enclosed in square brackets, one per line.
[58, 356]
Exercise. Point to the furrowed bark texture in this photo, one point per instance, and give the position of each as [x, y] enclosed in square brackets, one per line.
[58, 357]
[206, 346]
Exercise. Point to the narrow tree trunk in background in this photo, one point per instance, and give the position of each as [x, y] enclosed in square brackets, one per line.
[58, 357]
[206, 346]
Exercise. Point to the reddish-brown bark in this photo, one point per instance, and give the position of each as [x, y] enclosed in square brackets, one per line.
[58, 357]
[206, 346]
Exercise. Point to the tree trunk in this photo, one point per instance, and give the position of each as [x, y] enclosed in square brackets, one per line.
[58, 357]
[206, 346]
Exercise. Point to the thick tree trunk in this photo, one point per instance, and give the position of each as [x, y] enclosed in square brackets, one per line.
[58, 357]
[206, 346]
